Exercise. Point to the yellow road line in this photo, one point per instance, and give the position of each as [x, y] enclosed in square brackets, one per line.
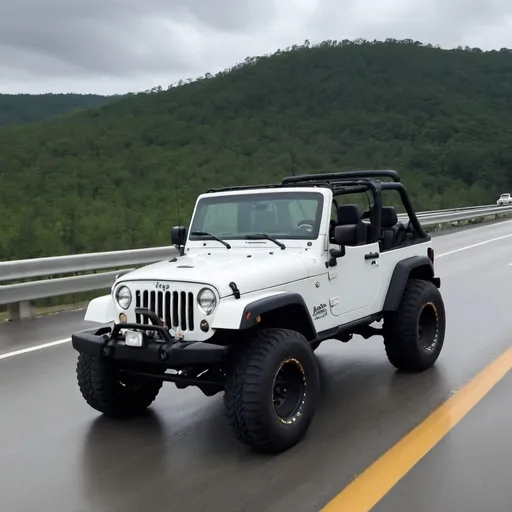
[363, 493]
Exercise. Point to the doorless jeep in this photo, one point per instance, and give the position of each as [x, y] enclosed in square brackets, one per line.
[264, 275]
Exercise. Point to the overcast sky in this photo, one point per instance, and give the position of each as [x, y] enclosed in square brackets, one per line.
[116, 46]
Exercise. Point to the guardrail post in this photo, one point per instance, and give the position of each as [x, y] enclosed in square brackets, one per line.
[20, 311]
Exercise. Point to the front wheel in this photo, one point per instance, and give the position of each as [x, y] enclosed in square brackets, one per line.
[115, 394]
[272, 389]
[414, 334]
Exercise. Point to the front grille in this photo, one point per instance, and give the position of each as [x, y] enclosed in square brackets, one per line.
[175, 309]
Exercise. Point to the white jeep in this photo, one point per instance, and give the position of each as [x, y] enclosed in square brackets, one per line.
[265, 274]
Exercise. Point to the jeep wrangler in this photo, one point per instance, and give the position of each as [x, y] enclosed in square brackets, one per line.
[264, 275]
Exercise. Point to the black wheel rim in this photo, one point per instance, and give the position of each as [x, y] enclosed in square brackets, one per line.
[289, 391]
[428, 326]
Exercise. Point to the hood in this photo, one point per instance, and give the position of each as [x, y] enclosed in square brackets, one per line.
[251, 270]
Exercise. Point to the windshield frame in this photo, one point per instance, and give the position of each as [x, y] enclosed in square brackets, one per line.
[259, 195]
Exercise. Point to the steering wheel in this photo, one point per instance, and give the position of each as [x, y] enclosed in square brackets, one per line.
[305, 224]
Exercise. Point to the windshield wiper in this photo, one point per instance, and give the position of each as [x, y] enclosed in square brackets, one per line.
[204, 233]
[264, 236]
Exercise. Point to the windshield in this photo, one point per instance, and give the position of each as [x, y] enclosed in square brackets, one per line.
[505, 195]
[286, 215]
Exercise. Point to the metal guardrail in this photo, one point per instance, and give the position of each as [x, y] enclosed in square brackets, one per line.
[430, 218]
[20, 294]
[460, 209]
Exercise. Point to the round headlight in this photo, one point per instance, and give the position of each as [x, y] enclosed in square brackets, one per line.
[124, 297]
[206, 301]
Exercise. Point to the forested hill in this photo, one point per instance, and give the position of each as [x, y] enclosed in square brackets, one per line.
[29, 108]
[104, 179]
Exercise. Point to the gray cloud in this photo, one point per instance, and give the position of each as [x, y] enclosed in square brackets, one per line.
[92, 36]
[127, 45]
[230, 15]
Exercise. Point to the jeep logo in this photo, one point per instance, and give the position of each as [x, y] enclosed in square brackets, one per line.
[162, 286]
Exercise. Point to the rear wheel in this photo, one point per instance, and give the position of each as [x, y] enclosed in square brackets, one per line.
[115, 394]
[414, 334]
[271, 390]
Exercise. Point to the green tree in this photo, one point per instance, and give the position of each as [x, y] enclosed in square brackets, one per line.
[104, 178]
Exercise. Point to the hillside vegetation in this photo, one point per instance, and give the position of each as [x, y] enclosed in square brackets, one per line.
[104, 179]
[18, 109]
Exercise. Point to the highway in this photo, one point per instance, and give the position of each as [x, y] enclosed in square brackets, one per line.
[181, 456]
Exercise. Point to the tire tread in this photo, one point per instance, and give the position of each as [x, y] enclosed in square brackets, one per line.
[401, 329]
[101, 390]
[242, 393]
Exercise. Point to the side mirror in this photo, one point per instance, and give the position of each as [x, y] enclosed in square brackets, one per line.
[346, 235]
[343, 235]
[178, 235]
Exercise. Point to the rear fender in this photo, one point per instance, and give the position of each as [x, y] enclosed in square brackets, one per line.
[415, 267]
[101, 310]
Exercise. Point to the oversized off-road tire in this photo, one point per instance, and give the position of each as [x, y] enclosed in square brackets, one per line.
[272, 389]
[414, 334]
[113, 394]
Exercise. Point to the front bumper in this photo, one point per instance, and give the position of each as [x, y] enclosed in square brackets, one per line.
[110, 343]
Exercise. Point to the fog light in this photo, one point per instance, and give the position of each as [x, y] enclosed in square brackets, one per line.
[133, 339]
[204, 325]
[123, 318]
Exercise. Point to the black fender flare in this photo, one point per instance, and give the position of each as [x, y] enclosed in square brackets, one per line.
[272, 303]
[420, 267]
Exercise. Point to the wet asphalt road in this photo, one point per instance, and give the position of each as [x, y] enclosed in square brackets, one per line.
[469, 470]
[58, 454]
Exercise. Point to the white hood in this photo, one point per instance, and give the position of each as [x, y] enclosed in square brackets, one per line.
[250, 270]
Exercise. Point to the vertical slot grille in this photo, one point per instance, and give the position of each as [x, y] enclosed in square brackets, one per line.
[190, 311]
[175, 308]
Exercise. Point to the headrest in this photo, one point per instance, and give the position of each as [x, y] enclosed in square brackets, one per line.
[349, 214]
[389, 217]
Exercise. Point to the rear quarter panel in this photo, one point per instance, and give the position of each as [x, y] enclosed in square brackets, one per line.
[389, 260]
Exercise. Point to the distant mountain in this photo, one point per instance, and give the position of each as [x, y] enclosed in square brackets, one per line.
[30, 108]
[104, 178]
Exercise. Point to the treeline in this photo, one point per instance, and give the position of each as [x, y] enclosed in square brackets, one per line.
[18, 109]
[104, 179]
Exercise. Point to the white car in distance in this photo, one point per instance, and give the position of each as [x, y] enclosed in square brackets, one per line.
[504, 199]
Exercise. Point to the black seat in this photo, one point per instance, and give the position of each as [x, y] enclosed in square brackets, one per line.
[393, 232]
[350, 214]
